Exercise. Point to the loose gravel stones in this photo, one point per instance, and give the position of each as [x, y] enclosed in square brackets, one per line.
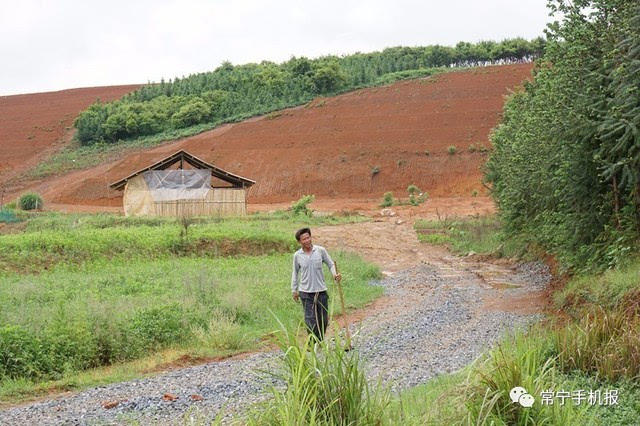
[434, 324]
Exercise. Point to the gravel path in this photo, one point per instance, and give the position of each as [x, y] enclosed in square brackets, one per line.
[435, 323]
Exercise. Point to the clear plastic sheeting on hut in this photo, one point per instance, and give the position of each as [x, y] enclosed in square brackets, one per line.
[159, 190]
[173, 185]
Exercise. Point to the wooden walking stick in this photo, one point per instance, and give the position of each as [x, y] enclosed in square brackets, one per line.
[344, 311]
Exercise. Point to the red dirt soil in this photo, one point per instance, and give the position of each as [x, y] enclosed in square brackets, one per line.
[34, 126]
[330, 146]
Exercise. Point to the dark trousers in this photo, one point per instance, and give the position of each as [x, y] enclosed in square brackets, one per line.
[316, 316]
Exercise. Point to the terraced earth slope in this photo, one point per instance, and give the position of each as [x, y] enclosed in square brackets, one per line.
[356, 145]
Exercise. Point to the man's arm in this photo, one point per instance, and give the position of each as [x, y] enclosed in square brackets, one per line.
[294, 279]
[331, 264]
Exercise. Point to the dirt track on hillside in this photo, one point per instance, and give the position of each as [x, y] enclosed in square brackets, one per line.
[331, 146]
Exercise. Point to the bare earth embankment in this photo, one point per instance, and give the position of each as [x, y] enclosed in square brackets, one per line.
[332, 146]
[34, 126]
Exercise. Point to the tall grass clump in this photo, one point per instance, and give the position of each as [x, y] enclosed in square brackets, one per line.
[324, 385]
[522, 360]
[30, 201]
[605, 344]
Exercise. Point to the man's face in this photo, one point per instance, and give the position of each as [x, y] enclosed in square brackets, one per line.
[305, 241]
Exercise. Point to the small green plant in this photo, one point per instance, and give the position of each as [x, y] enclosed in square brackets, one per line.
[452, 149]
[474, 193]
[302, 205]
[12, 205]
[375, 170]
[416, 196]
[401, 163]
[387, 199]
[8, 216]
[478, 147]
[30, 201]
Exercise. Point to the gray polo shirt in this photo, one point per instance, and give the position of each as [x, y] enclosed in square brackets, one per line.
[308, 267]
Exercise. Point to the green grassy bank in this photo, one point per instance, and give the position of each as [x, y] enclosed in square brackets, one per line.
[115, 291]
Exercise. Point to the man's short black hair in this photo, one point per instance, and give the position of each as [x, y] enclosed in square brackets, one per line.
[301, 231]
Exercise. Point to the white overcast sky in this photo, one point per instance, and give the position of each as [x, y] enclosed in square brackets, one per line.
[58, 44]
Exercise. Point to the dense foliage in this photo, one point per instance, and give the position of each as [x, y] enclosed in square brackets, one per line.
[566, 165]
[30, 201]
[236, 91]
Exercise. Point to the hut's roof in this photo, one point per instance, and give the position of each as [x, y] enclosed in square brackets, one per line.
[184, 156]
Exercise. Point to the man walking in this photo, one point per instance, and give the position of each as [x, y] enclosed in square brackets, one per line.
[312, 290]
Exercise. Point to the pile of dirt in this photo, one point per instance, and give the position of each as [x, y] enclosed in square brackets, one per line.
[357, 145]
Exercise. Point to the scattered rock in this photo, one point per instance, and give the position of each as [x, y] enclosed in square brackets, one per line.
[387, 212]
[196, 397]
[399, 222]
[169, 397]
[107, 405]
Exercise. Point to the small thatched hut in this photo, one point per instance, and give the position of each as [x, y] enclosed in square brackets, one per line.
[160, 190]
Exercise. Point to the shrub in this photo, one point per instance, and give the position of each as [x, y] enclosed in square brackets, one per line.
[387, 199]
[7, 216]
[452, 149]
[474, 193]
[21, 354]
[30, 201]
[427, 153]
[301, 206]
[416, 196]
[222, 332]
[158, 327]
[412, 189]
[375, 170]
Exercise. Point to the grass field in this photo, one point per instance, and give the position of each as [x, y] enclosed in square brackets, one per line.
[81, 292]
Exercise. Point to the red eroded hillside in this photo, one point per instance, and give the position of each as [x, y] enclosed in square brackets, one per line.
[35, 125]
[332, 146]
